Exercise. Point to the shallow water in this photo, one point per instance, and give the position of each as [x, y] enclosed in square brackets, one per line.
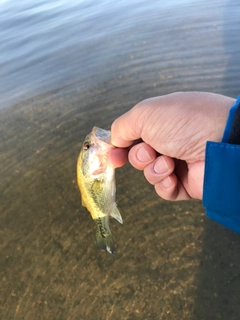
[66, 67]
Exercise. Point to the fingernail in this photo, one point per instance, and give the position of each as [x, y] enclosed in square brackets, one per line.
[166, 183]
[143, 155]
[160, 166]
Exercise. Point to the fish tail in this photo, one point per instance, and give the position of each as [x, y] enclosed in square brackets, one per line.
[104, 236]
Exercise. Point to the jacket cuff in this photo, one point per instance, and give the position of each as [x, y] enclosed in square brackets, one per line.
[221, 191]
[230, 120]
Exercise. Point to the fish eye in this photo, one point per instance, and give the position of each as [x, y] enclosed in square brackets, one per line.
[86, 146]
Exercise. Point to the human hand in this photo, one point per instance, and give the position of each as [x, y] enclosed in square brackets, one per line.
[174, 129]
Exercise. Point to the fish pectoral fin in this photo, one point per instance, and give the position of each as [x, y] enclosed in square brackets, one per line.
[116, 214]
[97, 187]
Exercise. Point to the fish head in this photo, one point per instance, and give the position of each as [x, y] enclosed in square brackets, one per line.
[93, 155]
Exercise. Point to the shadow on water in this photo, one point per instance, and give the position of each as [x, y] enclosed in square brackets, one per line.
[172, 262]
[218, 278]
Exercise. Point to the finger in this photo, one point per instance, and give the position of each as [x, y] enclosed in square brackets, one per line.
[158, 170]
[141, 155]
[117, 157]
[171, 188]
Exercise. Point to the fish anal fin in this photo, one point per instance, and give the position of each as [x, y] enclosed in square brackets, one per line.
[116, 214]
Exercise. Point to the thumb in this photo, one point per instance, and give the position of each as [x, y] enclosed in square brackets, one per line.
[150, 120]
[127, 128]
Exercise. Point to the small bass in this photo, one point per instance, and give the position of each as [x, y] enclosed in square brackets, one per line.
[96, 181]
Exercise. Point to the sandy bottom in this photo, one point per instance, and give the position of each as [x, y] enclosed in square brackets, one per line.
[171, 263]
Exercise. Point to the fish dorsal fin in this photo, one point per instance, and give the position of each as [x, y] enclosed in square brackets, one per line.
[116, 214]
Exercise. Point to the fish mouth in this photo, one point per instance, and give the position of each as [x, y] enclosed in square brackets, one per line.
[101, 134]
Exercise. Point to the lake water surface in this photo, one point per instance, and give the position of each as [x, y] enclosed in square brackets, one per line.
[66, 66]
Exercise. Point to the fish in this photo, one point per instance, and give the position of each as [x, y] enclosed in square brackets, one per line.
[96, 182]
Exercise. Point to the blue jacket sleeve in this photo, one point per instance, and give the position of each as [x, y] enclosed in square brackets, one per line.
[221, 190]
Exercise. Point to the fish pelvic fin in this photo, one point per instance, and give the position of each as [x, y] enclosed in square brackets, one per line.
[83, 204]
[116, 214]
[104, 236]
